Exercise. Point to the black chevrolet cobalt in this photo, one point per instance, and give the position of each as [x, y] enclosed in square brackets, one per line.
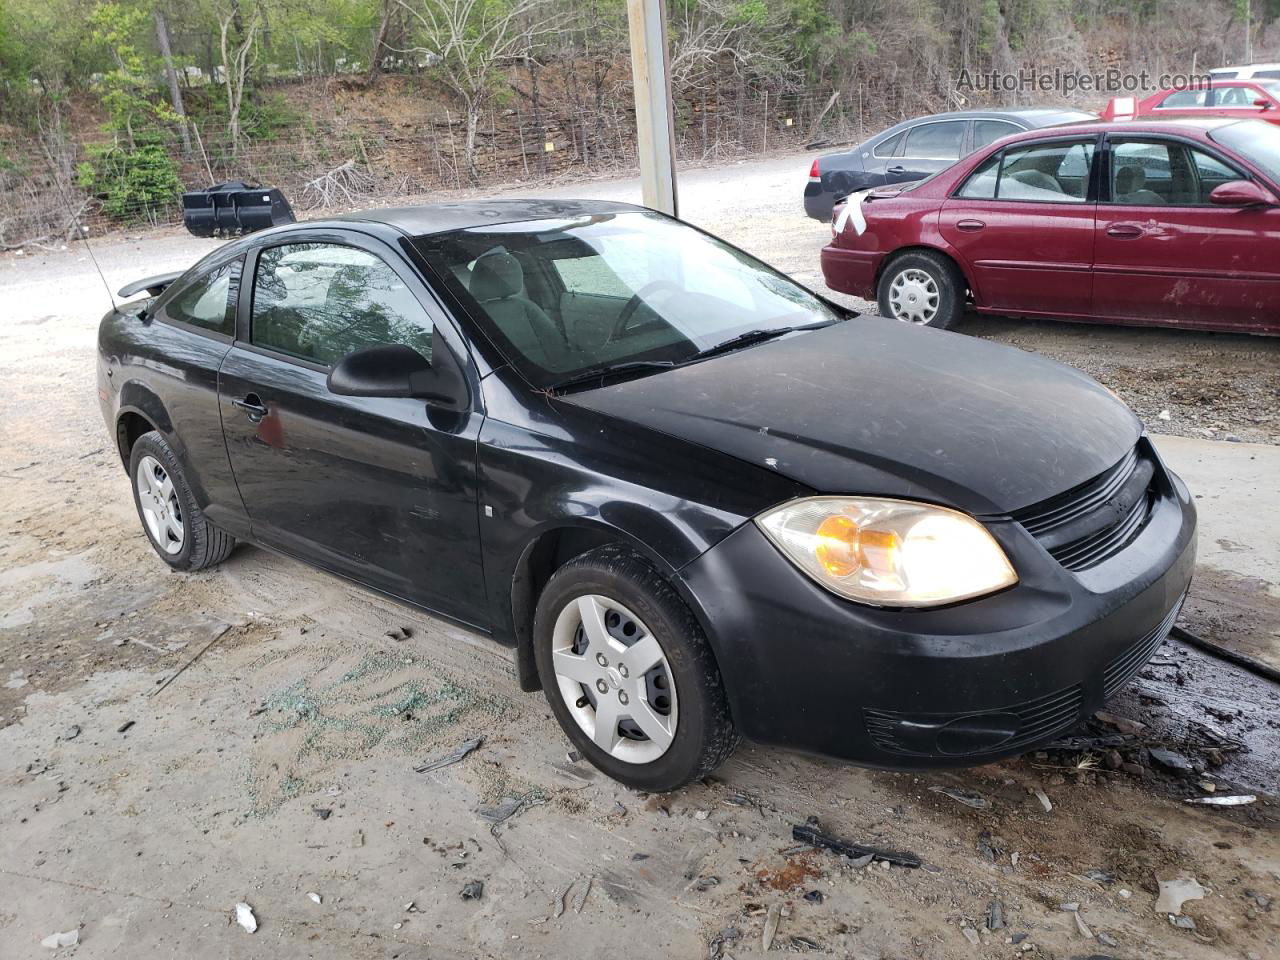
[697, 499]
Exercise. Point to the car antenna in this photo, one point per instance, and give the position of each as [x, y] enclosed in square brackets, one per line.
[84, 233]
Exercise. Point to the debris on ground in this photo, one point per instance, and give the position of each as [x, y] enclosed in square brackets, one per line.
[461, 752]
[124, 727]
[56, 940]
[70, 733]
[1123, 724]
[473, 890]
[1239, 800]
[400, 633]
[357, 839]
[1083, 927]
[967, 797]
[501, 811]
[245, 917]
[1044, 800]
[771, 926]
[315, 898]
[1177, 891]
[807, 833]
[995, 915]
[324, 813]
[580, 900]
[814, 896]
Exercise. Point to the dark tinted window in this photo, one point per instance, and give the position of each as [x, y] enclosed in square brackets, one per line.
[209, 303]
[887, 148]
[935, 141]
[989, 131]
[322, 301]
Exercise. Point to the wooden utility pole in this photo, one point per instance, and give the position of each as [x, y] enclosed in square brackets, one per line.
[655, 130]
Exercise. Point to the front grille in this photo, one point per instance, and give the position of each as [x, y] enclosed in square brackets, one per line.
[1126, 666]
[1089, 523]
[1039, 719]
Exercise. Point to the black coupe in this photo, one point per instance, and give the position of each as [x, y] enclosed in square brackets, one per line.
[696, 498]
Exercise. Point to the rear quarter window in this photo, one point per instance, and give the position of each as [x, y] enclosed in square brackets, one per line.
[209, 302]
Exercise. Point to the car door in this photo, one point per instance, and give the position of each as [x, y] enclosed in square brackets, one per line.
[1166, 254]
[1239, 101]
[381, 490]
[192, 325]
[926, 148]
[1023, 223]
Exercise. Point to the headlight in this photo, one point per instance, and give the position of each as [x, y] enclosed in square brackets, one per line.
[892, 553]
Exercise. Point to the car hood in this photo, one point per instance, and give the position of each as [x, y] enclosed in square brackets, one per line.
[878, 407]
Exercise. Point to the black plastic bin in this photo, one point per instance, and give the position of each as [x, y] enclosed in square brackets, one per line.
[232, 208]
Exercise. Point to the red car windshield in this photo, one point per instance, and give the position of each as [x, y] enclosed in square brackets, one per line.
[1256, 141]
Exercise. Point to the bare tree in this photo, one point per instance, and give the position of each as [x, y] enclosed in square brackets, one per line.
[175, 92]
[473, 39]
[708, 32]
[238, 55]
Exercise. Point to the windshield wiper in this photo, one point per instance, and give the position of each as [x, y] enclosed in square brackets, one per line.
[752, 337]
[596, 375]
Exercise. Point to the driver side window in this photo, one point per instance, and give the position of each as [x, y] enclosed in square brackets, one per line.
[322, 301]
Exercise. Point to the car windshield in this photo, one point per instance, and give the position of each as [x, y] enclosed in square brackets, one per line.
[1255, 140]
[635, 290]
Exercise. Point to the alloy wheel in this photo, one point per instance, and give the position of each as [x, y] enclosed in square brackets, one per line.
[161, 509]
[913, 296]
[614, 678]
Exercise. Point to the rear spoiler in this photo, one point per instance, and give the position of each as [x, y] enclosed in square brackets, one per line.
[153, 285]
[1120, 108]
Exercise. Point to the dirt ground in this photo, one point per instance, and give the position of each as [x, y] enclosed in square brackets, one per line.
[281, 764]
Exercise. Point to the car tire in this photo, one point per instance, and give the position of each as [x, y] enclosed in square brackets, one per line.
[643, 617]
[923, 288]
[170, 516]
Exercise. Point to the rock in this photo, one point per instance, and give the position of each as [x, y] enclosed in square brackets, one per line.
[1171, 760]
[1182, 923]
[995, 915]
[56, 940]
[1107, 940]
[971, 935]
[814, 896]
[245, 917]
[1177, 891]
[1114, 760]
[315, 898]
[1136, 769]
[473, 890]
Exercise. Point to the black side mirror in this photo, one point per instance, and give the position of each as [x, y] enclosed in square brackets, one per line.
[394, 370]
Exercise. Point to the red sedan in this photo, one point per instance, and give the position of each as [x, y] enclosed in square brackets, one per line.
[1155, 222]
[1238, 99]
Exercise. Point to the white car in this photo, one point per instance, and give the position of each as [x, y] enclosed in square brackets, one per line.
[1253, 71]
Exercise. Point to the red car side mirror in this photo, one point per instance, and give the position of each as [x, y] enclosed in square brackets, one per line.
[1242, 193]
[1263, 102]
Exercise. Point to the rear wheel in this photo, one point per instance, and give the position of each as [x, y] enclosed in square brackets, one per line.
[171, 519]
[629, 674]
[923, 288]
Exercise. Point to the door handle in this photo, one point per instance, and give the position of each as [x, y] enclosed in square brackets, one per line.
[253, 407]
[1125, 231]
[898, 169]
[969, 226]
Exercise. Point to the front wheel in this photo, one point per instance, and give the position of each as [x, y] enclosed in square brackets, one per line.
[629, 674]
[171, 518]
[923, 288]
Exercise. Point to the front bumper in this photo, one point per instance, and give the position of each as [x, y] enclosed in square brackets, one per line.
[953, 686]
[851, 271]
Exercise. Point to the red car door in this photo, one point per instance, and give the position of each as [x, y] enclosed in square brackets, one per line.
[1023, 224]
[1165, 254]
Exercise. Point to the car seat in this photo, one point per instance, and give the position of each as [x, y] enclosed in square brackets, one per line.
[497, 282]
[1131, 181]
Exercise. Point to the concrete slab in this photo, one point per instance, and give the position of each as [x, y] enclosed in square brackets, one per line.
[1235, 599]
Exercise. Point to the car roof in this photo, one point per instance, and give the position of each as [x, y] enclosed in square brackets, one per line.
[1033, 116]
[1141, 125]
[431, 218]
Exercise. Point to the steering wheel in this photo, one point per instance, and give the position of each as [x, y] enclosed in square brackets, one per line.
[621, 325]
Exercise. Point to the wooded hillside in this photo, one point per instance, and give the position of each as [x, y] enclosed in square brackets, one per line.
[109, 109]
